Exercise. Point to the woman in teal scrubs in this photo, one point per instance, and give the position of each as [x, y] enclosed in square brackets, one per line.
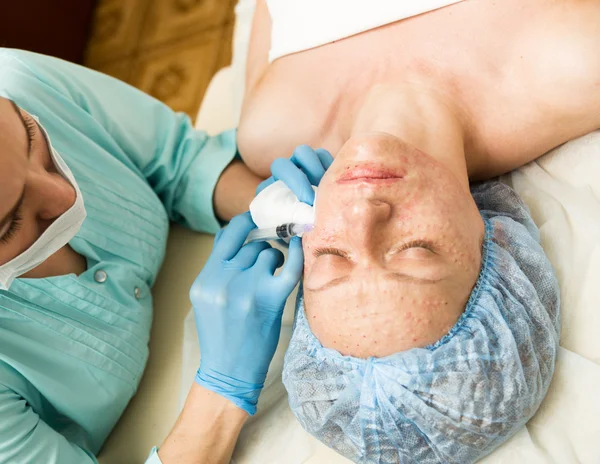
[74, 330]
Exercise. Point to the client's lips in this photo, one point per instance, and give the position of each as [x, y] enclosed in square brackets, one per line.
[370, 175]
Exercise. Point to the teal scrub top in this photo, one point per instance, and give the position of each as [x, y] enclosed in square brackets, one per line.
[73, 348]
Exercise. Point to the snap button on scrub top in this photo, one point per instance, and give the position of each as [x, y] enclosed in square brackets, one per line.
[100, 277]
[138, 293]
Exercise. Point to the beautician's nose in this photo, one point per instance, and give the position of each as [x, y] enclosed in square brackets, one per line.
[53, 195]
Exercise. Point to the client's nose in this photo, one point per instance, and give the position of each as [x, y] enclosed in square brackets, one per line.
[53, 196]
[363, 218]
[367, 212]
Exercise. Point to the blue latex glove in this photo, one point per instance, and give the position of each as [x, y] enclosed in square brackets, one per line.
[305, 168]
[238, 304]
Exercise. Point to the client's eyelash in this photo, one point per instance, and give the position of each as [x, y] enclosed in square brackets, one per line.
[15, 226]
[329, 251]
[416, 244]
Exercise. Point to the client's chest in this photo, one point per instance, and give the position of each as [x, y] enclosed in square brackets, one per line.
[524, 76]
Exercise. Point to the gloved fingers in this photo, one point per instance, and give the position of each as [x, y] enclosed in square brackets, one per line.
[325, 158]
[309, 162]
[268, 261]
[282, 243]
[217, 237]
[291, 273]
[247, 256]
[264, 184]
[284, 169]
[233, 237]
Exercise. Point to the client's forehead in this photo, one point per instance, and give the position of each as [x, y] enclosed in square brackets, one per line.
[378, 317]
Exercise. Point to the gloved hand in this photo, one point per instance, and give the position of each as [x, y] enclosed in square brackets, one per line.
[238, 305]
[305, 168]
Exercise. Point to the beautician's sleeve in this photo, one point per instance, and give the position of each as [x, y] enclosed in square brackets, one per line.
[25, 438]
[181, 164]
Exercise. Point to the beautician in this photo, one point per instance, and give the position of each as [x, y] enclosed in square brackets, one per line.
[238, 304]
[91, 172]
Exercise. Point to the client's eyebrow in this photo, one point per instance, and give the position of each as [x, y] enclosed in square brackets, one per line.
[330, 284]
[408, 278]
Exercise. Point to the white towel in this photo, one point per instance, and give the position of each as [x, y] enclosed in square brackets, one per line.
[278, 205]
[299, 25]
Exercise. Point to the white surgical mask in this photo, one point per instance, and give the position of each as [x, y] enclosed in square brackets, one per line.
[60, 232]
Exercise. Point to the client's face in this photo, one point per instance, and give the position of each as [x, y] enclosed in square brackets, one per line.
[395, 251]
[32, 192]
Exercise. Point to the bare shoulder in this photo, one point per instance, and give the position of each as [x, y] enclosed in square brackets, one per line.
[589, 41]
[567, 44]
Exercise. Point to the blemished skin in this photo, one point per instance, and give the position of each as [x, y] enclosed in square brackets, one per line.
[394, 269]
[459, 94]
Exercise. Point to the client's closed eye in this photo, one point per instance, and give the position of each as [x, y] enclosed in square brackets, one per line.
[414, 244]
[330, 251]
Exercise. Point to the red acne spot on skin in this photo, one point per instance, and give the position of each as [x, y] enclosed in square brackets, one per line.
[414, 339]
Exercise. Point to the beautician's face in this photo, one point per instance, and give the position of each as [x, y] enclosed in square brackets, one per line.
[395, 252]
[32, 193]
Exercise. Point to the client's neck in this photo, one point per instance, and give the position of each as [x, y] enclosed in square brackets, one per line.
[418, 116]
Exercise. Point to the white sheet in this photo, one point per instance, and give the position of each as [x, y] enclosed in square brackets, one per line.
[301, 25]
[563, 192]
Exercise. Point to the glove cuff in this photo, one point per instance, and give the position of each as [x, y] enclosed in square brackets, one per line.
[243, 394]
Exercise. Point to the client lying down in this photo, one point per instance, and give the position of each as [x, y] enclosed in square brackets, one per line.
[429, 322]
[357, 376]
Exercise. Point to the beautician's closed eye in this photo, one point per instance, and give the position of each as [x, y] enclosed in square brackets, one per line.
[13, 226]
[41, 194]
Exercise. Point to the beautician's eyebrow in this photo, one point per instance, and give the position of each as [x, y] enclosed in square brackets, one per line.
[391, 276]
[9, 216]
[24, 123]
